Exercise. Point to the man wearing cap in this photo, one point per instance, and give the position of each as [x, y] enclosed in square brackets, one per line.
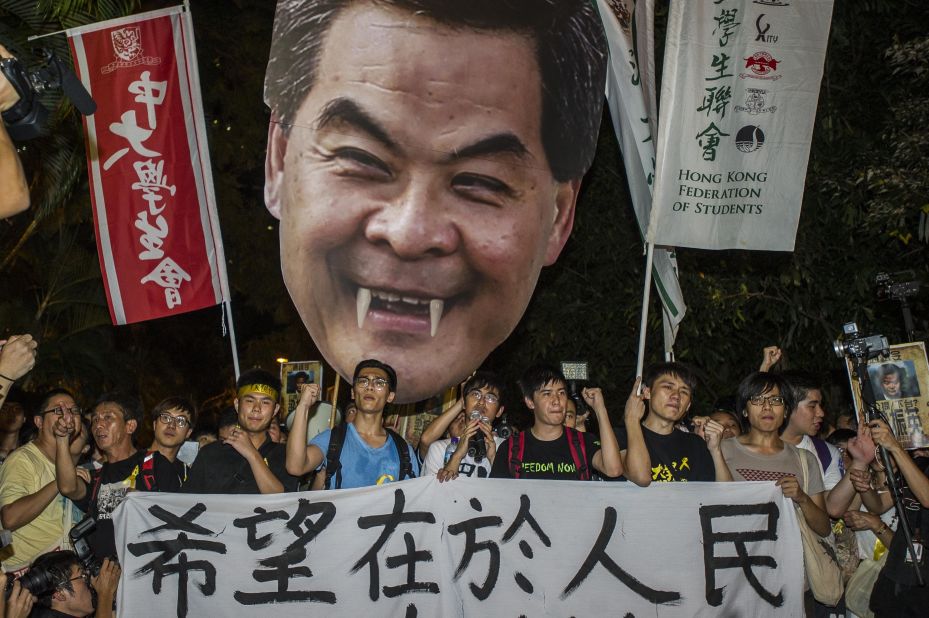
[246, 461]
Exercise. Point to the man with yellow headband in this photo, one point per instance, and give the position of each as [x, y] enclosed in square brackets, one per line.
[247, 461]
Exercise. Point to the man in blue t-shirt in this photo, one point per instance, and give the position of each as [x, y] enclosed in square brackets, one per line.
[369, 454]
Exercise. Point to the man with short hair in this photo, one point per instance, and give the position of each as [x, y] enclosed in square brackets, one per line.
[804, 422]
[654, 449]
[115, 419]
[247, 461]
[71, 589]
[360, 453]
[30, 504]
[472, 414]
[424, 158]
[173, 421]
[549, 450]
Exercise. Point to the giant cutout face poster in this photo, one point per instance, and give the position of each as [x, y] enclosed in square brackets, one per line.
[424, 159]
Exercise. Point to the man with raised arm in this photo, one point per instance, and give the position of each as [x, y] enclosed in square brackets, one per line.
[115, 418]
[30, 504]
[360, 453]
[655, 449]
[549, 450]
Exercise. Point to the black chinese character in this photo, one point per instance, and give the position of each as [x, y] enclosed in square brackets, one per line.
[742, 560]
[390, 522]
[598, 555]
[472, 547]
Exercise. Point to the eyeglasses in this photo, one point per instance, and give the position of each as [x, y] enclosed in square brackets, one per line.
[167, 419]
[377, 384]
[775, 400]
[489, 398]
[84, 575]
[59, 411]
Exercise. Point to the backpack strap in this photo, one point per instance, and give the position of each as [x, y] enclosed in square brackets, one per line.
[575, 444]
[148, 471]
[518, 441]
[823, 452]
[97, 476]
[403, 452]
[333, 465]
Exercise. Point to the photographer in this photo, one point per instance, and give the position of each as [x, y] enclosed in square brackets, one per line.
[14, 198]
[64, 588]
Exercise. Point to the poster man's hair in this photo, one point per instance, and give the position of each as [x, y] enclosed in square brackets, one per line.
[570, 47]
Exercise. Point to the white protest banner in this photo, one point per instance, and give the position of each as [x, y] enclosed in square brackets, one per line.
[630, 73]
[469, 547]
[150, 181]
[738, 100]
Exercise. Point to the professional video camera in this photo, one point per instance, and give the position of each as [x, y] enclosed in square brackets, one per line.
[26, 120]
[856, 346]
[890, 286]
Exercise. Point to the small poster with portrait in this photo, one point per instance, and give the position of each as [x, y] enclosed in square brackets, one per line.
[900, 383]
[294, 374]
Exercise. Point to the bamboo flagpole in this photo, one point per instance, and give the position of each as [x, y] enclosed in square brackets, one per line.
[646, 296]
[335, 400]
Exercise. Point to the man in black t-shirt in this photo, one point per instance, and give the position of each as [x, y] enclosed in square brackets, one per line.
[655, 449]
[98, 493]
[549, 450]
[246, 461]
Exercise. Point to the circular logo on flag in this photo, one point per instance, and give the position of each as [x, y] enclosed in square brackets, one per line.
[749, 138]
[761, 63]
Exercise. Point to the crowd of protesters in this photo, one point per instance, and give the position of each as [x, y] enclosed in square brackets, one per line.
[76, 466]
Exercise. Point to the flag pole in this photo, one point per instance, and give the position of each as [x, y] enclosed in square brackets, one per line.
[646, 294]
[227, 307]
[335, 400]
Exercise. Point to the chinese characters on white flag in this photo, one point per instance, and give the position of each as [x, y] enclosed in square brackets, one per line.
[738, 100]
[472, 547]
[154, 209]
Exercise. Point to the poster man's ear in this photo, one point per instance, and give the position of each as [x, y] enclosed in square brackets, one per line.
[565, 203]
[274, 167]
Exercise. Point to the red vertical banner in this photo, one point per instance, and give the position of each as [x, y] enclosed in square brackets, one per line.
[157, 230]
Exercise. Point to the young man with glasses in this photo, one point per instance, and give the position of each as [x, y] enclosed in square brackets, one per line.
[655, 449]
[114, 421]
[68, 589]
[30, 504]
[246, 461]
[360, 453]
[173, 421]
[473, 413]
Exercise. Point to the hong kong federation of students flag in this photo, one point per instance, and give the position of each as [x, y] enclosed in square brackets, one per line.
[738, 100]
[152, 190]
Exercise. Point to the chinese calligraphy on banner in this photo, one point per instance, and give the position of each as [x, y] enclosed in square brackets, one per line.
[152, 190]
[738, 100]
[466, 548]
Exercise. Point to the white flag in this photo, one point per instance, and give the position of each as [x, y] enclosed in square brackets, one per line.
[631, 97]
[738, 99]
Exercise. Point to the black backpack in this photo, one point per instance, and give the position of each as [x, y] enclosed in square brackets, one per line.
[334, 466]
